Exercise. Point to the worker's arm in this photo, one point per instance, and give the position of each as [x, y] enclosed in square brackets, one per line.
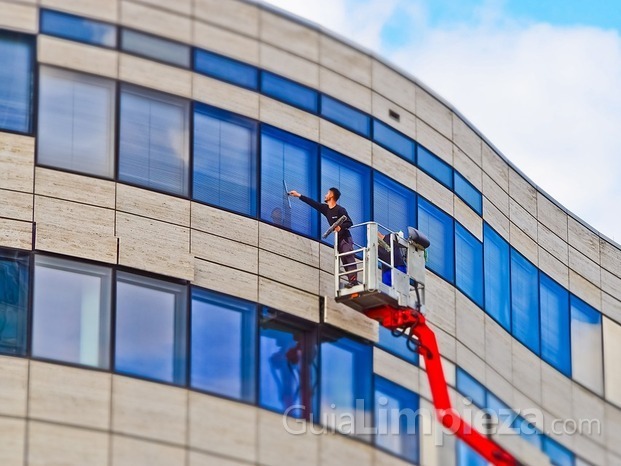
[311, 202]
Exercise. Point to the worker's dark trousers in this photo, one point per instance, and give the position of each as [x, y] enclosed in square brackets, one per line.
[347, 245]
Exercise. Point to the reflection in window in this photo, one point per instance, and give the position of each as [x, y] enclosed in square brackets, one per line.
[288, 162]
[466, 456]
[469, 264]
[223, 345]
[76, 122]
[77, 28]
[150, 328]
[226, 69]
[346, 116]
[434, 167]
[154, 140]
[396, 419]
[394, 141]
[586, 337]
[287, 365]
[496, 267]
[225, 160]
[155, 47]
[353, 179]
[471, 388]
[289, 91]
[525, 301]
[555, 344]
[346, 368]
[394, 205]
[468, 193]
[14, 290]
[438, 227]
[16, 78]
[71, 312]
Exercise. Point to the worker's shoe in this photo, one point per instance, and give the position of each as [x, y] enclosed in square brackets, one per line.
[352, 283]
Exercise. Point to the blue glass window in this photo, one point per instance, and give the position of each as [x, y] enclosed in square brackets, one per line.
[527, 431]
[345, 401]
[466, 456]
[558, 454]
[225, 160]
[496, 266]
[77, 28]
[346, 116]
[226, 69]
[223, 330]
[394, 141]
[154, 140]
[471, 388]
[71, 312]
[555, 343]
[353, 179]
[396, 420]
[394, 205]
[14, 292]
[289, 91]
[525, 301]
[505, 415]
[150, 328]
[469, 264]
[16, 81]
[468, 193]
[287, 365]
[438, 227]
[288, 162]
[76, 122]
[396, 345]
[586, 338]
[435, 167]
[155, 47]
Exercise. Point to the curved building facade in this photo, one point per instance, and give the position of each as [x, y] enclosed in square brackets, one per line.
[163, 302]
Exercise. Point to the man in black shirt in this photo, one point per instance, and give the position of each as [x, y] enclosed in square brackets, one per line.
[332, 211]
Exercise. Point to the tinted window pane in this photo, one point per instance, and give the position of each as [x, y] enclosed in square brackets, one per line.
[71, 312]
[396, 419]
[16, 77]
[525, 301]
[496, 266]
[289, 91]
[150, 328]
[559, 455]
[288, 162]
[155, 47]
[469, 264]
[153, 148]
[288, 358]
[393, 140]
[223, 345]
[394, 205]
[469, 387]
[76, 122]
[586, 339]
[346, 400]
[346, 116]
[225, 160]
[466, 456]
[396, 345]
[435, 167]
[14, 291]
[555, 348]
[438, 227]
[73, 27]
[353, 179]
[468, 193]
[527, 431]
[226, 69]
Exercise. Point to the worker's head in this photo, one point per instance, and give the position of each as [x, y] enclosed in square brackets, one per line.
[333, 193]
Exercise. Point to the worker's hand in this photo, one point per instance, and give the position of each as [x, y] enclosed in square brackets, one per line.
[338, 228]
[294, 193]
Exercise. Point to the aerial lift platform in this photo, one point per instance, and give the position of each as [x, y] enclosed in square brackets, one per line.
[400, 307]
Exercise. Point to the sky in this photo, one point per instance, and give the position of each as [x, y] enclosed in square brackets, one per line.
[540, 79]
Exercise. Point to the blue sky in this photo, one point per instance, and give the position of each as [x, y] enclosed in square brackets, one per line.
[538, 78]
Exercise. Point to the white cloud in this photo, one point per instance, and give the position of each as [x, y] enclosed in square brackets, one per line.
[546, 96]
